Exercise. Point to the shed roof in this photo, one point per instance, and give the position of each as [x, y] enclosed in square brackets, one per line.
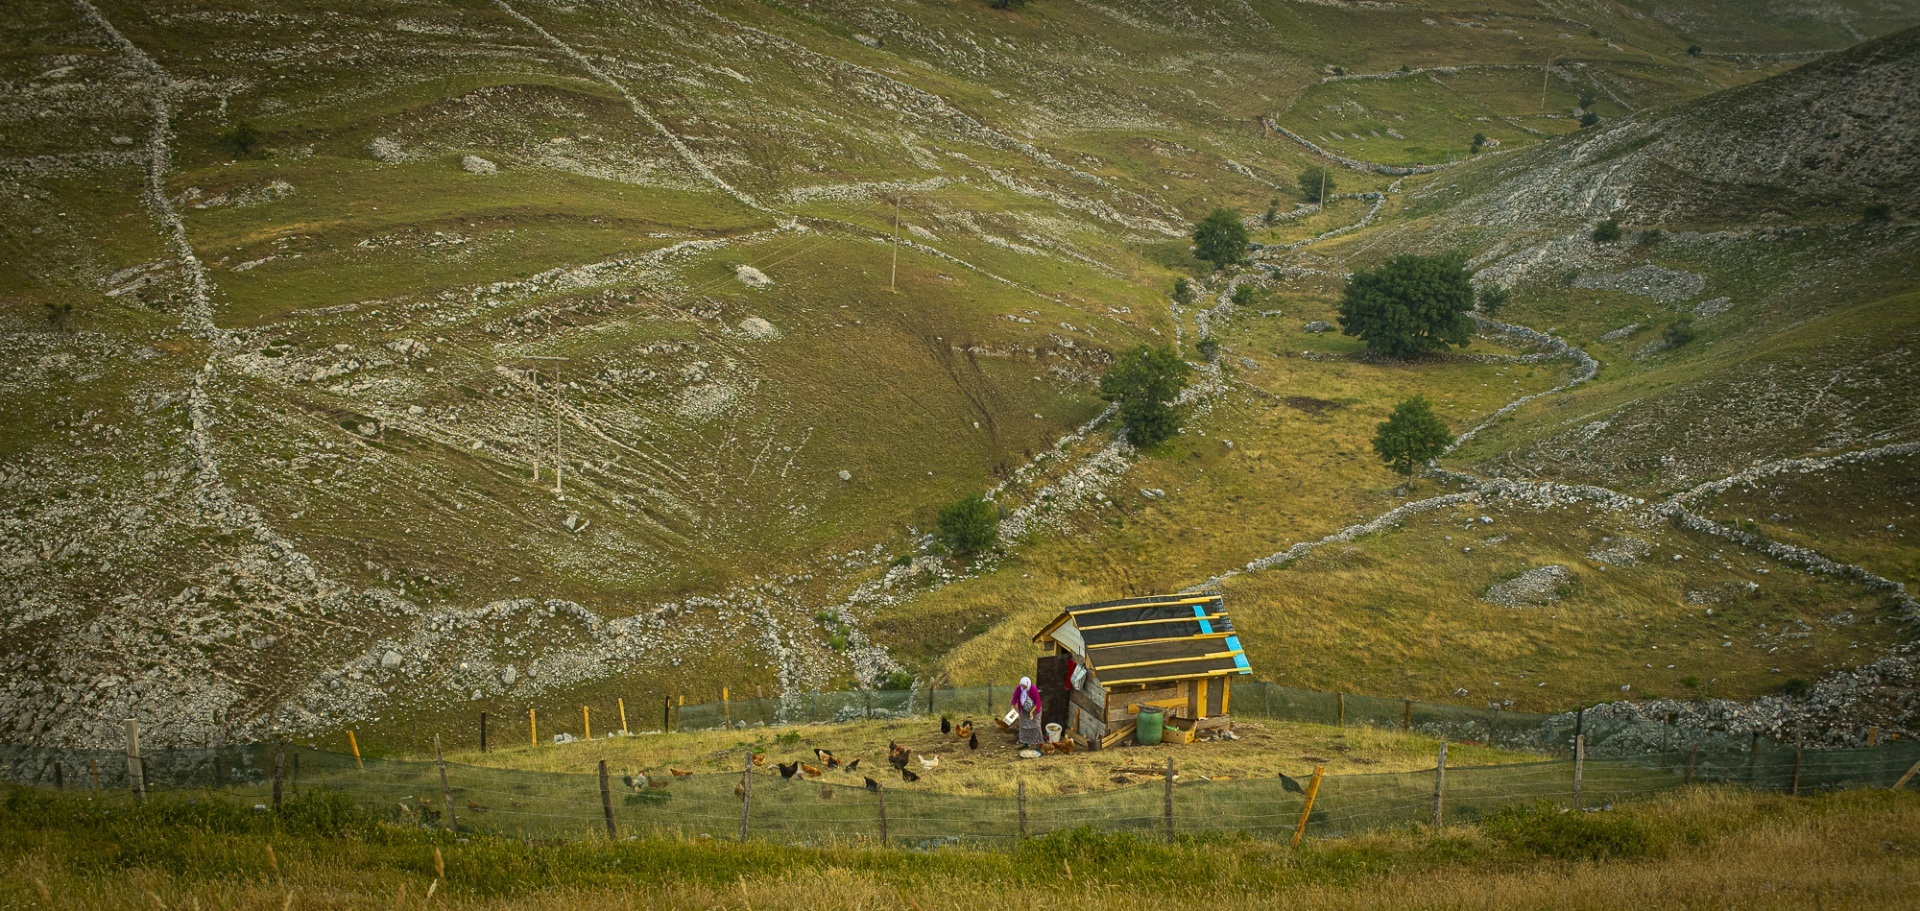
[1146, 640]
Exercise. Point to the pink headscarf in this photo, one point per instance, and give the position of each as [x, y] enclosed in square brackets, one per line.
[1026, 696]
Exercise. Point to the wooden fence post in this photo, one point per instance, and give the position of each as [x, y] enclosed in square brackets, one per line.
[1799, 746]
[1340, 701]
[1873, 736]
[880, 794]
[279, 772]
[1406, 720]
[622, 703]
[353, 743]
[294, 778]
[533, 727]
[1023, 808]
[1306, 809]
[1579, 766]
[483, 732]
[446, 793]
[586, 723]
[990, 696]
[726, 706]
[1693, 759]
[1439, 786]
[136, 773]
[666, 714]
[1169, 798]
[93, 771]
[746, 793]
[1753, 759]
[606, 801]
[869, 696]
[59, 776]
[1905, 778]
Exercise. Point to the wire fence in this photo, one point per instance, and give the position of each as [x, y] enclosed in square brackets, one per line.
[1620, 761]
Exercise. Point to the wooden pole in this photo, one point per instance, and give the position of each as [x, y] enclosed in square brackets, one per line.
[869, 695]
[446, 793]
[606, 801]
[1799, 747]
[1440, 787]
[586, 723]
[1340, 699]
[1306, 809]
[1905, 778]
[1023, 808]
[279, 773]
[136, 774]
[1693, 760]
[880, 794]
[746, 793]
[1169, 798]
[353, 743]
[1579, 766]
[1406, 720]
[93, 771]
[989, 695]
[1873, 736]
[1753, 758]
[622, 703]
[483, 732]
[666, 714]
[894, 273]
[294, 778]
[533, 727]
[726, 707]
[59, 776]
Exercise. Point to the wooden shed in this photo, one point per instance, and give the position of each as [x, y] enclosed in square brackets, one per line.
[1178, 652]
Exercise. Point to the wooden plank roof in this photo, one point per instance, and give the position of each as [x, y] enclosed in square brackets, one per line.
[1167, 637]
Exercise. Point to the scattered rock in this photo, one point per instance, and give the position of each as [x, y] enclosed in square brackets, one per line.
[1620, 551]
[1152, 493]
[384, 149]
[756, 327]
[846, 475]
[1621, 333]
[1317, 326]
[1533, 588]
[751, 277]
[391, 659]
[474, 164]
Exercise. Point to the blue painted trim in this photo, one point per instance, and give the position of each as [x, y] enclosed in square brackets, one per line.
[1200, 613]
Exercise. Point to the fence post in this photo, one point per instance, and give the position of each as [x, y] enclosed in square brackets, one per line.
[622, 703]
[726, 707]
[59, 776]
[353, 743]
[606, 801]
[1406, 720]
[1439, 785]
[1753, 760]
[1693, 759]
[666, 714]
[93, 771]
[294, 779]
[533, 727]
[880, 794]
[279, 772]
[136, 773]
[1266, 700]
[1023, 808]
[483, 732]
[1169, 800]
[746, 793]
[586, 723]
[1306, 809]
[1579, 723]
[869, 696]
[1873, 736]
[930, 687]
[1340, 702]
[989, 696]
[446, 793]
[1579, 766]
[1799, 745]
[1905, 778]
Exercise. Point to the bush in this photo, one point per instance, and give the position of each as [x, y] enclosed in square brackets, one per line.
[1493, 299]
[1316, 183]
[1479, 140]
[1410, 436]
[968, 527]
[1410, 304]
[1243, 296]
[1544, 830]
[898, 680]
[1606, 232]
[1796, 688]
[1587, 99]
[1679, 332]
[1652, 236]
[241, 139]
[1209, 348]
[1273, 213]
[1693, 50]
[1878, 213]
[1220, 238]
[1182, 291]
[1144, 383]
[1589, 119]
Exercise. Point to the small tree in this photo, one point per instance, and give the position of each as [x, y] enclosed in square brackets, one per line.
[1410, 304]
[1587, 99]
[1589, 119]
[1316, 183]
[1209, 348]
[1877, 214]
[1693, 50]
[1273, 213]
[1679, 332]
[968, 527]
[58, 314]
[1220, 238]
[1182, 291]
[1607, 231]
[1410, 436]
[1243, 296]
[1652, 236]
[241, 139]
[1144, 383]
[1493, 298]
[1479, 142]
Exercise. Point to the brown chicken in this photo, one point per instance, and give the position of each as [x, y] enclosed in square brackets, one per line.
[826, 757]
[811, 771]
[964, 730]
[759, 759]
[679, 774]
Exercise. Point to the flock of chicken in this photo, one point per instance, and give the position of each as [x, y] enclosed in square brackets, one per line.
[901, 758]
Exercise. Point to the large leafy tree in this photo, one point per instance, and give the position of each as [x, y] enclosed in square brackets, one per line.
[1410, 304]
[1144, 382]
[1316, 183]
[968, 527]
[1410, 436]
[1220, 238]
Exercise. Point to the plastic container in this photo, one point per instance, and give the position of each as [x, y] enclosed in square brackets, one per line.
[1053, 733]
[1152, 721]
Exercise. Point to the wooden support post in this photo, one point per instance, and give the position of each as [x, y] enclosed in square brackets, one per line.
[990, 696]
[1306, 809]
[1406, 720]
[746, 793]
[59, 776]
[446, 792]
[136, 773]
[1023, 808]
[279, 772]
[483, 732]
[533, 727]
[726, 707]
[1440, 787]
[880, 794]
[622, 703]
[294, 778]
[1799, 747]
[1693, 760]
[1905, 778]
[93, 771]
[586, 723]
[1753, 758]
[666, 714]
[1169, 799]
[1579, 723]
[1873, 736]
[1340, 700]
[1579, 766]
[353, 743]
[606, 801]
[869, 695]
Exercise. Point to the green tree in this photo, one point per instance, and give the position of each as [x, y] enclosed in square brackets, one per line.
[1410, 304]
[242, 139]
[1693, 50]
[1273, 213]
[1243, 296]
[1679, 332]
[1587, 99]
[1589, 119]
[1182, 291]
[1315, 183]
[1410, 436]
[1208, 347]
[1479, 141]
[968, 527]
[1220, 238]
[1144, 382]
[1607, 231]
[1493, 298]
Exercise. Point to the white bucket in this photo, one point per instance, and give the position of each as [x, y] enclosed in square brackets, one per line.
[1053, 733]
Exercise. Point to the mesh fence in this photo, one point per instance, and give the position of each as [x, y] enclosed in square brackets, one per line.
[1623, 761]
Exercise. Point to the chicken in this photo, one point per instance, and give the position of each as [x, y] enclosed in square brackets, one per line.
[759, 760]
[930, 764]
[1288, 784]
[811, 771]
[973, 741]
[787, 769]
[873, 786]
[740, 790]
[633, 783]
[826, 792]
[853, 765]
[965, 729]
[946, 725]
[826, 758]
[679, 774]
[908, 776]
[897, 755]
[1065, 745]
[656, 783]
[476, 807]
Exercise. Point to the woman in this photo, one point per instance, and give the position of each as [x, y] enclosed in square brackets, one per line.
[1026, 702]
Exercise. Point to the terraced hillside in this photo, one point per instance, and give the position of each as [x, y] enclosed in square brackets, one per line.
[378, 361]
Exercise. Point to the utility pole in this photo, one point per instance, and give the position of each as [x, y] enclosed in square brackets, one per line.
[1545, 68]
[559, 452]
[1323, 188]
[559, 457]
[894, 274]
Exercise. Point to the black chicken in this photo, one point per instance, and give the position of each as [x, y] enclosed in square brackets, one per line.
[946, 725]
[973, 741]
[789, 769]
[1289, 784]
[908, 776]
[873, 786]
[852, 765]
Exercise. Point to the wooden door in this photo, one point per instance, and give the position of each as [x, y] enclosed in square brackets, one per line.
[1050, 675]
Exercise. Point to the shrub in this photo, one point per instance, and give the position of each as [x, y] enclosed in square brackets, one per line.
[58, 314]
[1796, 688]
[1404, 68]
[1493, 298]
[1410, 436]
[1587, 99]
[1273, 213]
[1209, 347]
[1545, 830]
[1589, 119]
[898, 680]
[1878, 213]
[1410, 304]
[1144, 383]
[968, 527]
[1679, 332]
[1607, 231]
[1690, 681]
[1182, 291]
[1693, 50]
[1243, 296]
[1479, 140]
[1220, 238]
[241, 139]
[1652, 236]
[1316, 183]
